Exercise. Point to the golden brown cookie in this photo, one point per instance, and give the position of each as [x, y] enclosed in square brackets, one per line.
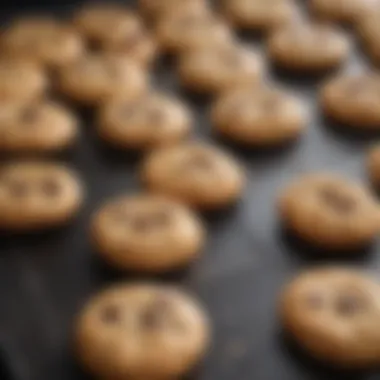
[114, 28]
[195, 173]
[259, 15]
[258, 116]
[40, 128]
[353, 100]
[96, 78]
[21, 82]
[150, 121]
[147, 233]
[141, 331]
[368, 29]
[345, 11]
[334, 314]
[330, 212]
[308, 47]
[178, 33]
[218, 69]
[42, 40]
[36, 195]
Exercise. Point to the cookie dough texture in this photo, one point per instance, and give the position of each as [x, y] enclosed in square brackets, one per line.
[352, 100]
[258, 116]
[42, 40]
[219, 69]
[150, 121]
[21, 82]
[39, 128]
[334, 313]
[141, 331]
[36, 195]
[114, 28]
[98, 78]
[259, 15]
[308, 47]
[200, 175]
[330, 212]
[147, 233]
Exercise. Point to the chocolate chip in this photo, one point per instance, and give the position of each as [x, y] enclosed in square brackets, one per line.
[18, 188]
[349, 304]
[110, 314]
[50, 187]
[157, 313]
[337, 201]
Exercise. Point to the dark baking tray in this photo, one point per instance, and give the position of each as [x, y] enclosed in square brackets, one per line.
[46, 278]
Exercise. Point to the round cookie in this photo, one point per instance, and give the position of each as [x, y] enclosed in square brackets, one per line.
[41, 128]
[97, 78]
[42, 40]
[197, 174]
[150, 121]
[178, 33]
[215, 70]
[21, 82]
[259, 116]
[330, 212]
[147, 233]
[353, 100]
[344, 11]
[373, 165]
[141, 331]
[113, 28]
[308, 47]
[334, 313]
[36, 195]
[259, 15]
[154, 9]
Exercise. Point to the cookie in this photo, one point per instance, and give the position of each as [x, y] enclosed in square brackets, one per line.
[178, 33]
[308, 47]
[42, 40]
[330, 212]
[343, 11]
[147, 233]
[258, 116]
[218, 69]
[368, 30]
[113, 28]
[41, 128]
[197, 174]
[352, 100]
[21, 82]
[150, 121]
[154, 10]
[334, 313]
[141, 331]
[259, 15]
[37, 195]
[96, 78]
[373, 165]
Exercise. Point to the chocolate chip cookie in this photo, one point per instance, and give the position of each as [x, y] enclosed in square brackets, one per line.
[353, 100]
[36, 195]
[258, 116]
[218, 69]
[141, 331]
[259, 15]
[21, 82]
[308, 47]
[43, 40]
[41, 128]
[116, 29]
[147, 233]
[195, 173]
[334, 313]
[96, 78]
[149, 121]
[330, 212]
